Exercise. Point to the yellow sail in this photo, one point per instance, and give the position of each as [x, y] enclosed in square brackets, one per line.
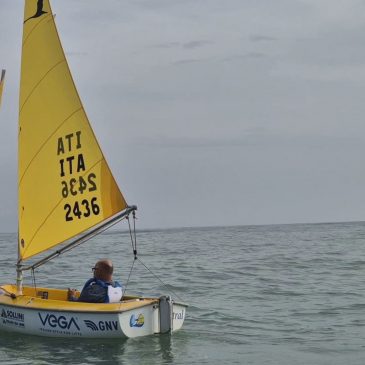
[65, 185]
[2, 79]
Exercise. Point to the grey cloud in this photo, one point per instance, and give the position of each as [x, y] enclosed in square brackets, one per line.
[261, 38]
[238, 57]
[255, 55]
[167, 45]
[186, 61]
[184, 45]
[195, 44]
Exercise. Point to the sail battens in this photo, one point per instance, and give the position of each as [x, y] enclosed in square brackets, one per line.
[39, 82]
[33, 29]
[65, 186]
[44, 143]
[38, 229]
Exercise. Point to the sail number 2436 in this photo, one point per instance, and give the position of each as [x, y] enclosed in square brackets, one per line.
[84, 209]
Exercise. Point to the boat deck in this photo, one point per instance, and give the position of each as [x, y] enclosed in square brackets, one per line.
[56, 300]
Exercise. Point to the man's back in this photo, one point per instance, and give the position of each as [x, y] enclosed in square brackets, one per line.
[93, 293]
[98, 291]
[101, 288]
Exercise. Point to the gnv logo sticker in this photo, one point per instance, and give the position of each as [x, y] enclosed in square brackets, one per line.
[59, 322]
[102, 325]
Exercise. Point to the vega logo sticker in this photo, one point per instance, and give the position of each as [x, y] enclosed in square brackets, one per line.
[136, 321]
[59, 322]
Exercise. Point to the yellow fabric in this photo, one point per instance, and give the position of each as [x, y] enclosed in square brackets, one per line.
[2, 79]
[65, 184]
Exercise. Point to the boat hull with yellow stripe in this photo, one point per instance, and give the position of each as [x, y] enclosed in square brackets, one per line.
[46, 312]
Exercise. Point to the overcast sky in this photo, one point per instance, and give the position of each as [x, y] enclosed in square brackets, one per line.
[212, 112]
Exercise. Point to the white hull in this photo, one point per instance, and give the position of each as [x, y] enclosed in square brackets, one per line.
[137, 322]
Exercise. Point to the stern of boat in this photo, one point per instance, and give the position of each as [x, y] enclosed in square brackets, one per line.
[164, 316]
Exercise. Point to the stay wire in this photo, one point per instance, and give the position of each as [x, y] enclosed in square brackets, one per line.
[135, 233]
[134, 248]
[164, 284]
[129, 276]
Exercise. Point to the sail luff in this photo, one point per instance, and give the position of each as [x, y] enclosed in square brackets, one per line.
[65, 184]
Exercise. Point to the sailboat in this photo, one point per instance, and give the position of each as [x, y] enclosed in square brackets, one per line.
[66, 194]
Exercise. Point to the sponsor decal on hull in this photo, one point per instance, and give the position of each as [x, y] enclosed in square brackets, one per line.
[12, 318]
[101, 325]
[59, 324]
[179, 315]
[136, 321]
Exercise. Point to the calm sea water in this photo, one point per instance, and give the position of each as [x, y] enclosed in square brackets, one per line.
[285, 294]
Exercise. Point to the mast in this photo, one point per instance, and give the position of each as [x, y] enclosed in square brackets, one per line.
[19, 272]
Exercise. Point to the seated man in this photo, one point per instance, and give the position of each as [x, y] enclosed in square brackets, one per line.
[101, 288]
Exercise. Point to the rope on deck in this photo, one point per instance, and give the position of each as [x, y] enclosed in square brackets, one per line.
[8, 293]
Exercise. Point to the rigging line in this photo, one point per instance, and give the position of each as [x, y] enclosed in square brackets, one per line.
[177, 296]
[31, 31]
[36, 86]
[34, 283]
[7, 292]
[45, 142]
[129, 276]
[51, 212]
[135, 234]
[130, 234]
